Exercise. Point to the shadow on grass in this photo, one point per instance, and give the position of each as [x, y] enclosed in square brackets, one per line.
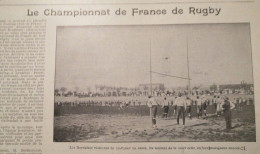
[237, 126]
[201, 124]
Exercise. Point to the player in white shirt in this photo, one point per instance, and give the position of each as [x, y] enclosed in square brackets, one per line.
[152, 104]
[165, 106]
[219, 101]
[181, 107]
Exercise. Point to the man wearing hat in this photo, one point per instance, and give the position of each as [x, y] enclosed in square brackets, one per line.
[152, 104]
[227, 107]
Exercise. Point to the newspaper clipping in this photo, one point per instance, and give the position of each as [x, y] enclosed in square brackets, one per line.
[129, 76]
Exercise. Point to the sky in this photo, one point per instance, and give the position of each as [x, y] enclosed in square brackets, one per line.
[120, 55]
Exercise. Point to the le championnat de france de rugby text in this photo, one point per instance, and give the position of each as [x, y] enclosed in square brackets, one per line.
[133, 12]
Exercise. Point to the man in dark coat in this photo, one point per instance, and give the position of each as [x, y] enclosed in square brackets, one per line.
[227, 107]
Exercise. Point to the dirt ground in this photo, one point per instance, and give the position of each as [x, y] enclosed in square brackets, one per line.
[130, 128]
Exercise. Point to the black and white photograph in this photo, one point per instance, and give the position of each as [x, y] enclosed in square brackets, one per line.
[154, 83]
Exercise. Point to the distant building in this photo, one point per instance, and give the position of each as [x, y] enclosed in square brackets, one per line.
[235, 86]
[154, 86]
[157, 88]
[242, 88]
[213, 87]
